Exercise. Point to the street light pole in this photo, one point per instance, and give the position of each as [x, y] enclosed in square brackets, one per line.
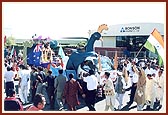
[89, 32]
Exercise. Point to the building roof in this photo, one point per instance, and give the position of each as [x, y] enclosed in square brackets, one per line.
[133, 29]
[62, 41]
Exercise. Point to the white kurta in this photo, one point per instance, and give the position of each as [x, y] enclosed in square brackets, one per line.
[25, 77]
[110, 94]
[150, 92]
[160, 87]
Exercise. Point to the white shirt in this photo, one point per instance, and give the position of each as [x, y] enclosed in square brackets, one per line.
[135, 78]
[91, 81]
[136, 60]
[128, 68]
[148, 71]
[131, 72]
[9, 75]
[142, 64]
[156, 71]
[160, 81]
[5, 70]
[24, 75]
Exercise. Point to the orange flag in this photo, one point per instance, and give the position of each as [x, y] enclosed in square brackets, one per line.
[99, 61]
[115, 61]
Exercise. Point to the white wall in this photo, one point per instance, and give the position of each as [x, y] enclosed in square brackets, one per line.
[109, 41]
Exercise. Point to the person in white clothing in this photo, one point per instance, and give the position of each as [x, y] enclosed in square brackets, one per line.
[160, 87]
[109, 92]
[134, 84]
[24, 77]
[150, 91]
[139, 97]
[148, 70]
[9, 79]
[120, 87]
[92, 84]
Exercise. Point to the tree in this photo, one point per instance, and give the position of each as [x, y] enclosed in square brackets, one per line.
[10, 41]
[81, 44]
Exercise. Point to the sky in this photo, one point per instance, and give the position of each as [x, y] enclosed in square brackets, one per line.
[55, 20]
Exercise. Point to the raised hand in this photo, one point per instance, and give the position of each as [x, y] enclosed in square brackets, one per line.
[102, 27]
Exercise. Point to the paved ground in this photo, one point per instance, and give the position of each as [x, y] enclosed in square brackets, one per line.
[100, 105]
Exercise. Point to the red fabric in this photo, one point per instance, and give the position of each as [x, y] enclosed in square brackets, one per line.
[4, 39]
[14, 54]
[70, 93]
[48, 66]
[37, 48]
[62, 64]
[32, 108]
[15, 99]
[15, 67]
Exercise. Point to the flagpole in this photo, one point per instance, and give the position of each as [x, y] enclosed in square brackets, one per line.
[25, 57]
[26, 45]
[99, 61]
[115, 61]
[139, 51]
[12, 52]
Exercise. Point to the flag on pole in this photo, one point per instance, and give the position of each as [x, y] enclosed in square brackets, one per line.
[33, 56]
[12, 51]
[99, 62]
[115, 61]
[4, 39]
[62, 54]
[155, 44]
[54, 70]
[38, 48]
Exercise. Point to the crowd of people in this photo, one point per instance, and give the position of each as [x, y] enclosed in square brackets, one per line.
[144, 79]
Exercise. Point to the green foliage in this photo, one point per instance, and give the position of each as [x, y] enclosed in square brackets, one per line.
[10, 41]
[81, 44]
